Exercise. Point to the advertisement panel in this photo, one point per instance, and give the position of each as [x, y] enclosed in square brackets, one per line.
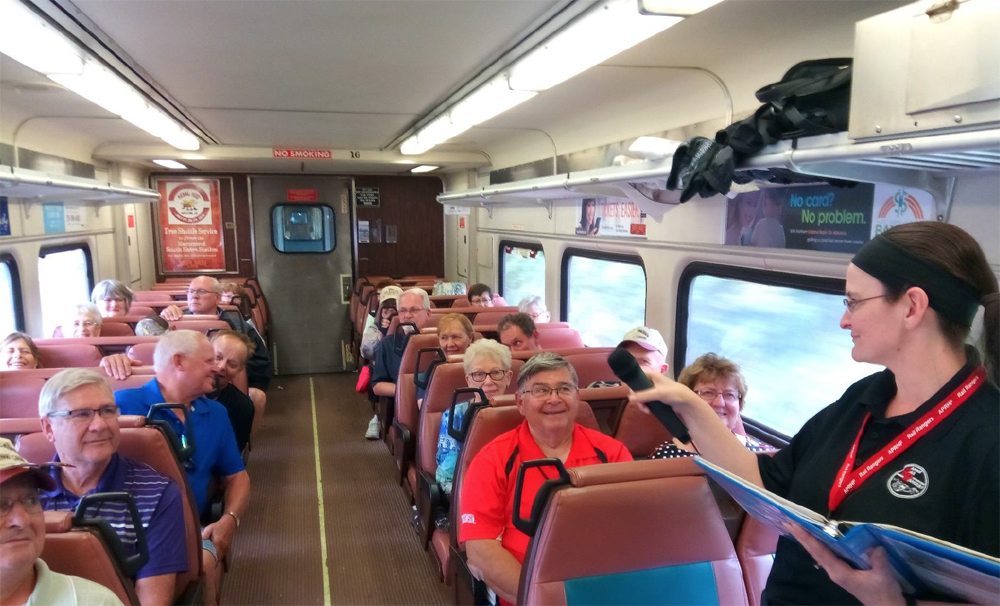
[606, 217]
[191, 226]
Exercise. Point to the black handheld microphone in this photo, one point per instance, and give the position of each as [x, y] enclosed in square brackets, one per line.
[625, 367]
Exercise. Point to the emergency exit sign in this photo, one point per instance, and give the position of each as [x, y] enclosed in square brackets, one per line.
[302, 195]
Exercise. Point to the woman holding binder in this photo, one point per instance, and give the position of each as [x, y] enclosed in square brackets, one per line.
[915, 445]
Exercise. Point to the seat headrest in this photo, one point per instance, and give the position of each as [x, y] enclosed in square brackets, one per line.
[58, 521]
[595, 475]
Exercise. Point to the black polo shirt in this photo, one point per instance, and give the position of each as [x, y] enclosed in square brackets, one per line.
[945, 485]
[240, 409]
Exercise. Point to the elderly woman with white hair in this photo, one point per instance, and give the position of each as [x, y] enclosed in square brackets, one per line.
[84, 321]
[112, 298]
[487, 366]
[534, 306]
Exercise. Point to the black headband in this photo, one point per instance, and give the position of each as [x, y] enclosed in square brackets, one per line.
[895, 267]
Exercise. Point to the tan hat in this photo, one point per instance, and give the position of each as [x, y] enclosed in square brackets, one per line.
[647, 338]
[390, 292]
[12, 464]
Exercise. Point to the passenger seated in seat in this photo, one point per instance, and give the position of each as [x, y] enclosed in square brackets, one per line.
[548, 397]
[24, 576]
[518, 332]
[230, 290]
[385, 312]
[455, 334]
[480, 295]
[112, 298]
[184, 361]
[487, 366]
[231, 351]
[19, 352]
[84, 321]
[719, 382]
[535, 308]
[203, 296]
[80, 418]
[648, 348]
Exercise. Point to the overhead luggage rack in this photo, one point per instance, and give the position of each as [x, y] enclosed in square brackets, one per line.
[927, 162]
[38, 187]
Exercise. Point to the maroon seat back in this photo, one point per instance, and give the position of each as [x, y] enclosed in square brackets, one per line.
[640, 432]
[755, 548]
[556, 338]
[19, 395]
[142, 352]
[83, 552]
[69, 353]
[202, 326]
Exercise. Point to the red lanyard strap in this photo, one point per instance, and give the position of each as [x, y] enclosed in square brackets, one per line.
[848, 481]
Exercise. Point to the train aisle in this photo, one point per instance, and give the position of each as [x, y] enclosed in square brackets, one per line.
[374, 554]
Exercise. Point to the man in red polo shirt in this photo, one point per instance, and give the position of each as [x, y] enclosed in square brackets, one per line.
[548, 398]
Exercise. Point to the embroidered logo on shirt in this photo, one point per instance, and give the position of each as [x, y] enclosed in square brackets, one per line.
[468, 518]
[909, 482]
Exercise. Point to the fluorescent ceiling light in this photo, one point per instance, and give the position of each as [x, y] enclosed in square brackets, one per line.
[425, 168]
[174, 164]
[32, 41]
[487, 101]
[438, 131]
[679, 8]
[654, 148]
[598, 35]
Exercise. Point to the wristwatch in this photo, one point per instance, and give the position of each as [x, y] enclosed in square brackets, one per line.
[235, 517]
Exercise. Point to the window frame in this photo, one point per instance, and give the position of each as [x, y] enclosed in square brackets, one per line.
[333, 230]
[569, 253]
[816, 284]
[89, 258]
[15, 283]
[500, 255]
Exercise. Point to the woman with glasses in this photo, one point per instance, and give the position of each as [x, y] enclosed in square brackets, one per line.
[84, 321]
[19, 352]
[915, 445]
[112, 298]
[719, 382]
[487, 366]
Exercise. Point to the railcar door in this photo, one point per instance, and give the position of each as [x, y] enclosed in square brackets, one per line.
[302, 232]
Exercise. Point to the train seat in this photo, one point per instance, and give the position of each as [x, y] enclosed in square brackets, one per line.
[554, 338]
[69, 354]
[640, 432]
[202, 326]
[148, 445]
[591, 367]
[147, 295]
[19, 396]
[140, 310]
[665, 544]
[109, 328]
[400, 422]
[142, 352]
[84, 551]
[755, 548]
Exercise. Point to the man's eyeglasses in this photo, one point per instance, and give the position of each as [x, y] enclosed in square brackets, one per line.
[709, 395]
[31, 503]
[86, 415]
[496, 375]
[201, 292]
[411, 310]
[565, 390]
[852, 304]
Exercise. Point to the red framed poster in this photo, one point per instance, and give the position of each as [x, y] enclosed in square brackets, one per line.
[190, 221]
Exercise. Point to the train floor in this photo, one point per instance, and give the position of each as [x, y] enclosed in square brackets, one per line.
[372, 553]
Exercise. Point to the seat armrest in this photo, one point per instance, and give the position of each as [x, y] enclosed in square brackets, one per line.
[429, 499]
[469, 591]
[404, 448]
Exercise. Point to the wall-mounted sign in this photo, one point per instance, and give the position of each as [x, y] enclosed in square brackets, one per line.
[4, 217]
[302, 154]
[53, 217]
[190, 226]
[894, 205]
[610, 218]
[75, 218]
[302, 195]
[364, 237]
[391, 234]
[367, 197]
[451, 209]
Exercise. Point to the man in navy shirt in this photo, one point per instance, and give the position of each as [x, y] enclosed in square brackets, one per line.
[184, 362]
[414, 306]
[80, 418]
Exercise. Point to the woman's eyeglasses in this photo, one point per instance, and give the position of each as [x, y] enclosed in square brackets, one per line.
[496, 375]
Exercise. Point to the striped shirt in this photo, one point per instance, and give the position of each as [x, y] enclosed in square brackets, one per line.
[158, 500]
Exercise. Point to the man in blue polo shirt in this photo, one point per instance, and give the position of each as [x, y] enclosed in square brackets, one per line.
[184, 362]
[80, 418]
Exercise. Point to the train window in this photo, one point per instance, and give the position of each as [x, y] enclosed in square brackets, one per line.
[603, 295]
[522, 271]
[11, 313]
[65, 278]
[303, 228]
[783, 331]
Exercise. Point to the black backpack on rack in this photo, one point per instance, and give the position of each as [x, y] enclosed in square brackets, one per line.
[813, 98]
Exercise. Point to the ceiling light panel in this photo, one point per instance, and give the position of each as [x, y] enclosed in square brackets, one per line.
[424, 169]
[171, 164]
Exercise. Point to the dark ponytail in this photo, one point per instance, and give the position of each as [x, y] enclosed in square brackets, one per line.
[952, 249]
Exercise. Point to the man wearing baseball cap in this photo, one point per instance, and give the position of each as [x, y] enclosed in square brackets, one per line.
[24, 576]
[647, 346]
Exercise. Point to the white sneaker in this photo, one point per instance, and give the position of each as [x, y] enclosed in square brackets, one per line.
[373, 429]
